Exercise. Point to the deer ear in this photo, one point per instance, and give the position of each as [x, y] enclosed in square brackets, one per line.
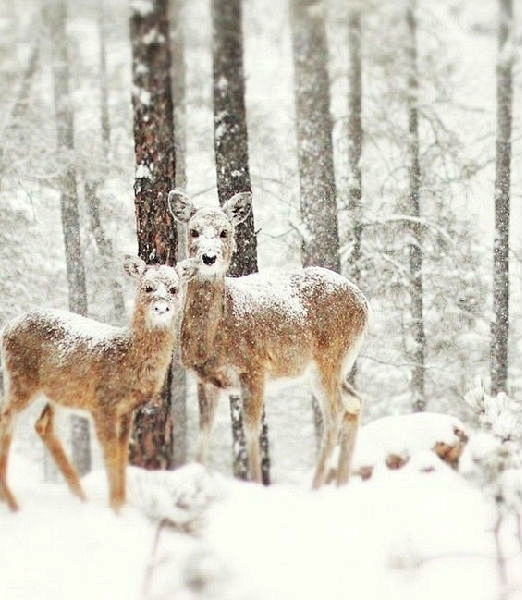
[134, 266]
[180, 206]
[238, 207]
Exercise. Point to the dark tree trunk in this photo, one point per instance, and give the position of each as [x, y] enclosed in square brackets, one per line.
[500, 327]
[179, 379]
[415, 248]
[318, 192]
[230, 125]
[320, 245]
[77, 290]
[239, 453]
[231, 155]
[152, 439]
[153, 134]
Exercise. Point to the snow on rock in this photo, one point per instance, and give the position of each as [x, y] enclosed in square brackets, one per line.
[394, 440]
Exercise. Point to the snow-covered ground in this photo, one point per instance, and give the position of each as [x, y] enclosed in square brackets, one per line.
[419, 532]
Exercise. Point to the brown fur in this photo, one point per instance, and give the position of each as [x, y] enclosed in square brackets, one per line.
[109, 373]
[239, 329]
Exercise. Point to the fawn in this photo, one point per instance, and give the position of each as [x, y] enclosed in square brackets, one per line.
[82, 364]
[248, 329]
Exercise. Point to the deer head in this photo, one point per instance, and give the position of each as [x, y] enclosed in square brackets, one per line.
[158, 297]
[210, 230]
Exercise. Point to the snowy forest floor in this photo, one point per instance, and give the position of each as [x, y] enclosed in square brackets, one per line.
[422, 531]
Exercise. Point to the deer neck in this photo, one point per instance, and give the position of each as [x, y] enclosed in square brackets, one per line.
[148, 345]
[202, 318]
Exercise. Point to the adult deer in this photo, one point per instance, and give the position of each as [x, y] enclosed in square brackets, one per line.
[82, 364]
[249, 329]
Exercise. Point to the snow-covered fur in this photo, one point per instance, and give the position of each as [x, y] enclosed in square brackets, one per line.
[242, 331]
[83, 364]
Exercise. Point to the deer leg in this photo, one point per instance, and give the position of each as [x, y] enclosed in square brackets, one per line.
[124, 429]
[45, 429]
[6, 436]
[326, 393]
[349, 428]
[252, 391]
[208, 396]
[107, 430]
[351, 403]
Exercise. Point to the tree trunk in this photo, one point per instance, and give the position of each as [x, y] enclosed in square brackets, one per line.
[355, 142]
[318, 192]
[239, 453]
[103, 243]
[77, 290]
[320, 245]
[12, 121]
[179, 378]
[355, 150]
[231, 155]
[415, 248]
[500, 327]
[152, 439]
[153, 133]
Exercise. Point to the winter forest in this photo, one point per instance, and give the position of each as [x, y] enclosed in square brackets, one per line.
[379, 140]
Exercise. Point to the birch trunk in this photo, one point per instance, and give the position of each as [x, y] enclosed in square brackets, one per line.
[76, 286]
[504, 90]
[415, 247]
[318, 192]
[178, 83]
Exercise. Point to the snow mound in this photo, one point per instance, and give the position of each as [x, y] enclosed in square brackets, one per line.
[179, 497]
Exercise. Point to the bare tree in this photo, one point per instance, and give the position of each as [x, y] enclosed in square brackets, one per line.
[504, 87]
[19, 107]
[77, 290]
[152, 439]
[92, 184]
[178, 83]
[415, 246]
[318, 192]
[232, 166]
[320, 245]
[355, 141]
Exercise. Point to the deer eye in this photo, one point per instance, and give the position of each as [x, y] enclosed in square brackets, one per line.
[149, 289]
[223, 234]
[173, 290]
[194, 233]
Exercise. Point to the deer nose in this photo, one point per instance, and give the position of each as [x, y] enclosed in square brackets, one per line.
[161, 308]
[209, 259]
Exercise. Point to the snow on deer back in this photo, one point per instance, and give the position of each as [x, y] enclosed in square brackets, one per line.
[268, 325]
